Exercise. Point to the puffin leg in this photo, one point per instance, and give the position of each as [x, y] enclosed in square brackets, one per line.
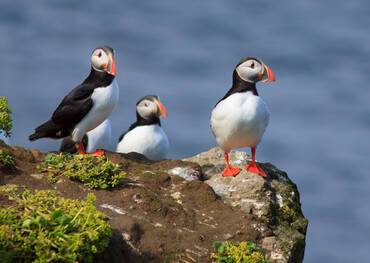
[98, 153]
[253, 167]
[230, 170]
[80, 148]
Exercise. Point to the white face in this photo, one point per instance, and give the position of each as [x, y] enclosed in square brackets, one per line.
[250, 71]
[100, 60]
[148, 109]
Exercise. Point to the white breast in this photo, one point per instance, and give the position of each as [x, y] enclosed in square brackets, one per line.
[239, 121]
[105, 100]
[149, 140]
[100, 137]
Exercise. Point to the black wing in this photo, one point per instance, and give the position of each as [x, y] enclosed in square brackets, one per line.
[70, 111]
[74, 106]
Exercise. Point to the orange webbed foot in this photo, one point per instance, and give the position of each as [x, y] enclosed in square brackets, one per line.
[254, 168]
[98, 153]
[231, 171]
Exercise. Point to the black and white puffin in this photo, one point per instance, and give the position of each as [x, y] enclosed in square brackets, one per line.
[146, 135]
[240, 118]
[98, 138]
[87, 105]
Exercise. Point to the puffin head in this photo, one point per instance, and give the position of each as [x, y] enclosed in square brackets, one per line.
[102, 59]
[253, 70]
[150, 107]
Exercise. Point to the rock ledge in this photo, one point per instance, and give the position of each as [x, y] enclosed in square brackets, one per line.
[173, 210]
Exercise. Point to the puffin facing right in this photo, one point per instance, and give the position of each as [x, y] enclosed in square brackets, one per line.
[146, 136]
[240, 118]
[87, 105]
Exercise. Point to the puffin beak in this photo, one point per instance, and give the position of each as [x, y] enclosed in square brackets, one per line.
[162, 109]
[113, 70]
[268, 75]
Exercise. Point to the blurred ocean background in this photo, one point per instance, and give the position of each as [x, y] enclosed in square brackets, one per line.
[185, 51]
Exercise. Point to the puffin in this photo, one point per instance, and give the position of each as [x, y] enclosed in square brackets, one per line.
[239, 118]
[146, 136]
[86, 106]
[98, 138]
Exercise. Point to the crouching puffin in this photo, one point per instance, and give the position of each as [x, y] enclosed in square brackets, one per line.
[98, 138]
[240, 118]
[146, 135]
[87, 105]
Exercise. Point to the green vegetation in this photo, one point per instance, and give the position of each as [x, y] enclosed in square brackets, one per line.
[94, 172]
[6, 159]
[5, 118]
[235, 252]
[43, 227]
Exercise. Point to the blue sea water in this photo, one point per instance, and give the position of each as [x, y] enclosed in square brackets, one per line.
[185, 52]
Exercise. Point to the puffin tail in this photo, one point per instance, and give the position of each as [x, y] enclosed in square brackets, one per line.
[49, 130]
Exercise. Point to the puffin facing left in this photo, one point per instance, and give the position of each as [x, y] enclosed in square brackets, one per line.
[87, 105]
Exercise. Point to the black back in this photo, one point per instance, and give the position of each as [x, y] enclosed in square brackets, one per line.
[73, 107]
[78, 102]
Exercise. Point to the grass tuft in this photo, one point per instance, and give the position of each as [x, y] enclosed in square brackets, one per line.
[94, 172]
[235, 252]
[41, 226]
[6, 159]
[6, 124]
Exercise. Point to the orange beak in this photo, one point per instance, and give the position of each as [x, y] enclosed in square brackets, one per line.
[113, 69]
[162, 109]
[270, 75]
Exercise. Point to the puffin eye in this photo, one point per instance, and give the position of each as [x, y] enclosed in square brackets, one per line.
[99, 55]
[252, 65]
[146, 104]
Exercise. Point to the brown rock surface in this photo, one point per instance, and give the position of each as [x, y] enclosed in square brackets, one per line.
[158, 216]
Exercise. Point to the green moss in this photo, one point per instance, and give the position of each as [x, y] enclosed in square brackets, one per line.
[235, 252]
[43, 227]
[290, 241]
[289, 224]
[94, 172]
[5, 118]
[6, 159]
[290, 211]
